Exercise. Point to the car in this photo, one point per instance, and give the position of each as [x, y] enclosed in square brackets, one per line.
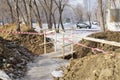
[95, 23]
[83, 25]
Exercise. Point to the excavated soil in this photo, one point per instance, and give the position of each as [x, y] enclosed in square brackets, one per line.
[31, 42]
[17, 50]
[94, 65]
[14, 59]
[110, 36]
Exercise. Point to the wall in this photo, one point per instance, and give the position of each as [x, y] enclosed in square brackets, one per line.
[113, 15]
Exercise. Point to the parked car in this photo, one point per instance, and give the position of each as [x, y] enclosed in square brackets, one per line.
[95, 23]
[83, 25]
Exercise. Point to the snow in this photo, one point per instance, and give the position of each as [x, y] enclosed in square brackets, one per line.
[57, 73]
[46, 65]
[4, 76]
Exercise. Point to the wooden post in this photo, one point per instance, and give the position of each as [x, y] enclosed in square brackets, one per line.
[55, 41]
[63, 48]
[45, 42]
[72, 43]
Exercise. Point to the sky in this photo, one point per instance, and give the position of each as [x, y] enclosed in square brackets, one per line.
[75, 2]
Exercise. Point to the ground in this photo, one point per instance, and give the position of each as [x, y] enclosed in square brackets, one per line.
[17, 50]
[32, 42]
[14, 59]
[41, 68]
[45, 64]
[95, 65]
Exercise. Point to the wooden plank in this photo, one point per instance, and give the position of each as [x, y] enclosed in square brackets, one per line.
[65, 45]
[65, 54]
[103, 41]
[45, 43]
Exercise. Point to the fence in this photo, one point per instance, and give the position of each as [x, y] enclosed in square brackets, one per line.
[63, 40]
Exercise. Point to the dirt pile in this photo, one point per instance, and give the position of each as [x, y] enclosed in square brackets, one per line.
[32, 42]
[110, 36]
[14, 58]
[94, 65]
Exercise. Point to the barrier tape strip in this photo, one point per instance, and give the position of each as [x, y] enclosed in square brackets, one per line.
[93, 49]
[17, 32]
[67, 39]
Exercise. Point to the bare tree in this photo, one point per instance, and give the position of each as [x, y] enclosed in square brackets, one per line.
[11, 10]
[47, 8]
[38, 14]
[101, 15]
[30, 13]
[61, 6]
[50, 7]
[26, 11]
[79, 13]
[17, 14]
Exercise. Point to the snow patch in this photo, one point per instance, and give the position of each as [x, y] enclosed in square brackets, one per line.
[58, 73]
[4, 76]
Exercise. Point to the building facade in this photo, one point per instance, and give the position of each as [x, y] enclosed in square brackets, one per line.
[113, 15]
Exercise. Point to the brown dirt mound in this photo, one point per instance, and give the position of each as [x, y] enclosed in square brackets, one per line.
[32, 42]
[111, 36]
[98, 66]
[12, 27]
[94, 67]
[14, 59]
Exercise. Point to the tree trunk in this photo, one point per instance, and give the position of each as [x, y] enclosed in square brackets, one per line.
[30, 14]
[61, 22]
[26, 12]
[45, 11]
[89, 19]
[60, 18]
[101, 15]
[38, 15]
[17, 12]
[3, 21]
[50, 14]
[22, 15]
[54, 21]
[11, 11]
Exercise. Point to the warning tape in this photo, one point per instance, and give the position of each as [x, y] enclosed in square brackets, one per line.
[29, 33]
[93, 49]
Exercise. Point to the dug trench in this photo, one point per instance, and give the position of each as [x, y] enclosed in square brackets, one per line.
[16, 51]
[95, 65]
[14, 56]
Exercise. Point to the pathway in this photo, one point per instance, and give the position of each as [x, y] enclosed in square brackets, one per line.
[43, 66]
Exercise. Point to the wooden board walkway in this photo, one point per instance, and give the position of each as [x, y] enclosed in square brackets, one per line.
[113, 43]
